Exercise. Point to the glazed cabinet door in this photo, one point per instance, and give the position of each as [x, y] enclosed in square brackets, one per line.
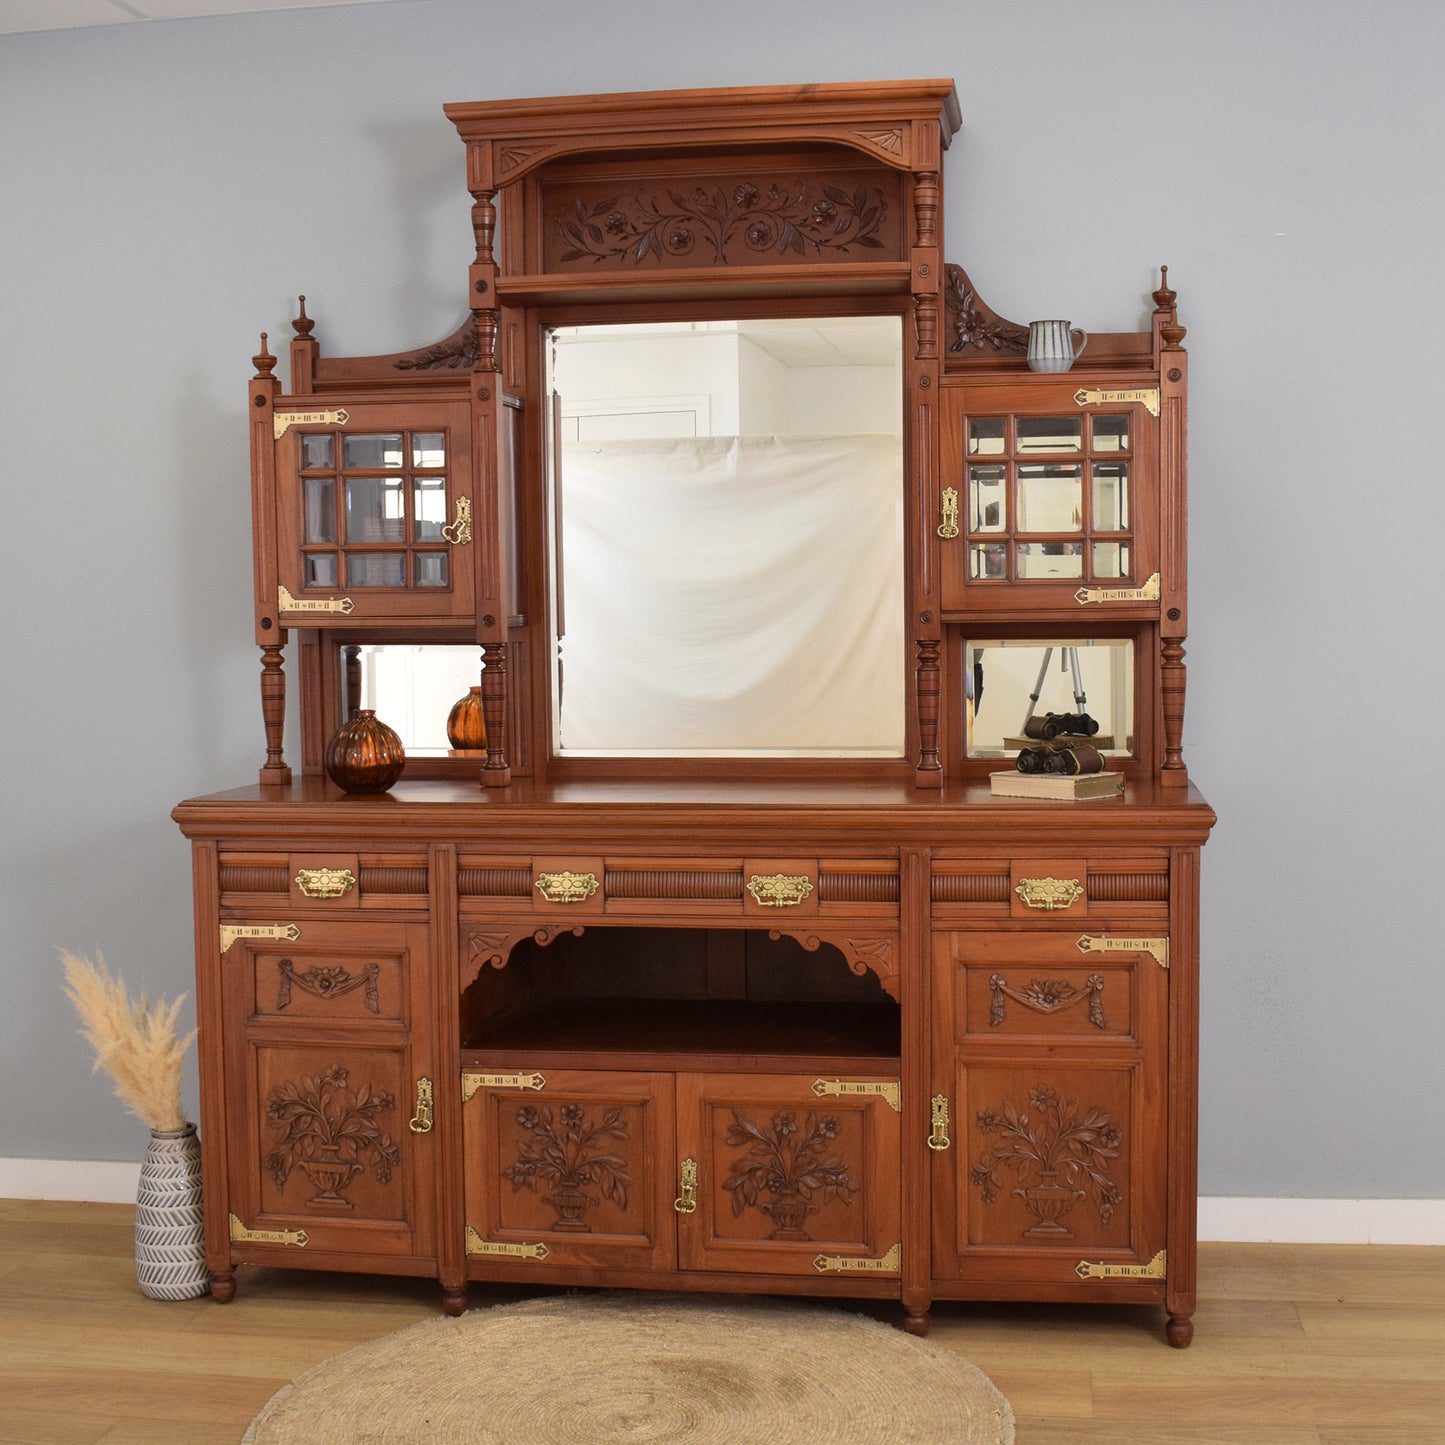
[330, 1065]
[1050, 1115]
[569, 1167]
[1050, 498]
[373, 513]
[789, 1174]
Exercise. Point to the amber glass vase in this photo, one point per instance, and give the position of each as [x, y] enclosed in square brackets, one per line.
[365, 756]
[466, 727]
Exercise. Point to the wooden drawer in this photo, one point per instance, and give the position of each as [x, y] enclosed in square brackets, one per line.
[1130, 892]
[322, 881]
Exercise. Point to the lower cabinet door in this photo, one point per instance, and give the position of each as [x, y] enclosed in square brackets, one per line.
[569, 1168]
[1053, 1066]
[326, 1160]
[794, 1175]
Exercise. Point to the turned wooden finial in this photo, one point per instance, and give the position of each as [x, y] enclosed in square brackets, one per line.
[303, 324]
[1169, 329]
[263, 361]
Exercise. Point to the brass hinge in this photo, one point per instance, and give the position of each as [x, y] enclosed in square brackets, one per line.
[1149, 592]
[337, 416]
[1156, 948]
[889, 1090]
[241, 1235]
[1153, 1270]
[472, 1082]
[477, 1245]
[285, 602]
[1147, 396]
[230, 932]
[890, 1263]
[939, 1139]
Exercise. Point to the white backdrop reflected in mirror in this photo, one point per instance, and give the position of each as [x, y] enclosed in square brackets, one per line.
[726, 506]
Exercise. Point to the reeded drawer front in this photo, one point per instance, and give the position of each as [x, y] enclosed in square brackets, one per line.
[323, 881]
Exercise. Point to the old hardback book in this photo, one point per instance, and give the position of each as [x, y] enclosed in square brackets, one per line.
[1013, 784]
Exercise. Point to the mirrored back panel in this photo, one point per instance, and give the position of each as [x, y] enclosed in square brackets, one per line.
[726, 538]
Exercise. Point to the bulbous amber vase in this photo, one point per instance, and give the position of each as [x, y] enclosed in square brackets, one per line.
[365, 756]
[466, 726]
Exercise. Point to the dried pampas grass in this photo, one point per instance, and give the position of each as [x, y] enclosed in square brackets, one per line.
[134, 1042]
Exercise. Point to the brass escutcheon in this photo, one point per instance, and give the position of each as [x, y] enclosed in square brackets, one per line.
[459, 531]
[686, 1201]
[421, 1121]
[939, 1139]
[948, 527]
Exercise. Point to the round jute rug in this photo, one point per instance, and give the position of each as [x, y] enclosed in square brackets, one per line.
[639, 1369]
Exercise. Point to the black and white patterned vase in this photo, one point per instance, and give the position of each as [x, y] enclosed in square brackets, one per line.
[170, 1246]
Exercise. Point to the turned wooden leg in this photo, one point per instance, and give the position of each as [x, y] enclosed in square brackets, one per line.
[223, 1288]
[1179, 1331]
[455, 1301]
[916, 1322]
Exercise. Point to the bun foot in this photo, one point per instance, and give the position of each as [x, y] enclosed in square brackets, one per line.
[454, 1301]
[1179, 1331]
[916, 1322]
[223, 1288]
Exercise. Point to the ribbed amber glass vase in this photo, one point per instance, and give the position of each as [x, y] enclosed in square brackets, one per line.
[466, 727]
[365, 756]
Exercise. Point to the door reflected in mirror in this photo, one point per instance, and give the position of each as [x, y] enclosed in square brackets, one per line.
[726, 522]
[1009, 681]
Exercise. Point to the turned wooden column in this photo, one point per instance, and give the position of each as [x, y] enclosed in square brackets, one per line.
[273, 712]
[1174, 525]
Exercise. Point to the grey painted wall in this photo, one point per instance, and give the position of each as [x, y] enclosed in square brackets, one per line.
[167, 189]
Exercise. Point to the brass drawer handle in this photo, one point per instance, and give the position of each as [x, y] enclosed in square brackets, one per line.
[325, 882]
[686, 1202]
[779, 890]
[566, 887]
[939, 1139]
[421, 1121]
[1050, 893]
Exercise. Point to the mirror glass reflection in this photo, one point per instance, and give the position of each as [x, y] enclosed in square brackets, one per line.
[1008, 681]
[726, 509]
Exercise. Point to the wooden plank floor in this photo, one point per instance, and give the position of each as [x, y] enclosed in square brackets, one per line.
[1296, 1345]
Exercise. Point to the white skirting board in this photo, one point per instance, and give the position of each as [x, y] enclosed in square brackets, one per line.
[1277, 1221]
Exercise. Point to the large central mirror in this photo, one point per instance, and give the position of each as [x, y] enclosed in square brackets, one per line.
[726, 521]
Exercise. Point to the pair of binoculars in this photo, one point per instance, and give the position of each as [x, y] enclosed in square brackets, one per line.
[1070, 758]
[1061, 724]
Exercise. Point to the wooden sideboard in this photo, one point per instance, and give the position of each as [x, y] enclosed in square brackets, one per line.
[701, 1005]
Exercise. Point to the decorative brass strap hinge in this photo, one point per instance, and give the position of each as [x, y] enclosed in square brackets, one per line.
[477, 1245]
[285, 602]
[939, 1139]
[1149, 592]
[890, 1263]
[948, 527]
[1050, 893]
[889, 1090]
[337, 416]
[459, 531]
[686, 1201]
[1156, 948]
[779, 890]
[325, 882]
[241, 1235]
[566, 887]
[1153, 1270]
[1146, 396]
[421, 1121]
[230, 932]
[472, 1082]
